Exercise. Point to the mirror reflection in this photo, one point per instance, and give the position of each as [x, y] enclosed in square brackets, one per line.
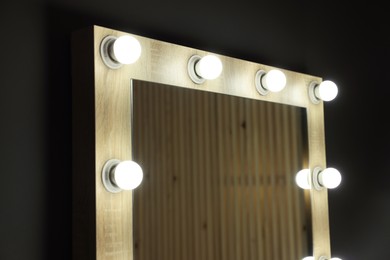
[219, 176]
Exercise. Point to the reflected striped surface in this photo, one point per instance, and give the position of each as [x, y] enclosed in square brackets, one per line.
[218, 177]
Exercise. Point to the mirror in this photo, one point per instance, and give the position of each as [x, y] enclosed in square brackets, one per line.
[219, 156]
[219, 176]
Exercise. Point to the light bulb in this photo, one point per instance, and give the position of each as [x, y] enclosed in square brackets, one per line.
[127, 175]
[302, 179]
[209, 67]
[335, 258]
[326, 90]
[308, 258]
[125, 49]
[329, 178]
[274, 80]
[121, 175]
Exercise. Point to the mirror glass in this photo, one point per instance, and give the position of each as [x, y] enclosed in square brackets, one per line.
[219, 176]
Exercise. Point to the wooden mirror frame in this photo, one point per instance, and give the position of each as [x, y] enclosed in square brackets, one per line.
[102, 221]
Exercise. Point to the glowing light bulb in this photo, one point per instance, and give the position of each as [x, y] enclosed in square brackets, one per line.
[209, 67]
[127, 175]
[329, 178]
[126, 49]
[274, 80]
[121, 175]
[326, 90]
[302, 179]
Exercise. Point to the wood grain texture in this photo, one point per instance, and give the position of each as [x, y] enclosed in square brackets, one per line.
[105, 133]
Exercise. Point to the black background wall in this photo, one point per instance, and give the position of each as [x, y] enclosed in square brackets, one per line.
[349, 45]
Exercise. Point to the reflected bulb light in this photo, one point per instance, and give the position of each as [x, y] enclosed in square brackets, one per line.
[326, 90]
[209, 67]
[302, 179]
[127, 175]
[126, 49]
[274, 80]
[330, 178]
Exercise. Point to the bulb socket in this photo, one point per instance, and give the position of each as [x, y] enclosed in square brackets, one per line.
[108, 176]
[316, 178]
[107, 53]
[312, 92]
[259, 86]
[191, 65]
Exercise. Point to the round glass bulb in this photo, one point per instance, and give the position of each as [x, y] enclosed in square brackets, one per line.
[326, 90]
[302, 179]
[126, 49]
[209, 67]
[330, 178]
[274, 80]
[128, 175]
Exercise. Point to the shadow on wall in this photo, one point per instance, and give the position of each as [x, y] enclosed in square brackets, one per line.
[60, 23]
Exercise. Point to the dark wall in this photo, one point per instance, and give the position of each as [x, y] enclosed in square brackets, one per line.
[349, 46]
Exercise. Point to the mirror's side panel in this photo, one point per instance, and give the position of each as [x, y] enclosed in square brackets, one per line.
[83, 147]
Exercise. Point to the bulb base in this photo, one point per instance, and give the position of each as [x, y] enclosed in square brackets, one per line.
[312, 92]
[107, 179]
[191, 70]
[106, 52]
[316, 178]
[259, 87]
